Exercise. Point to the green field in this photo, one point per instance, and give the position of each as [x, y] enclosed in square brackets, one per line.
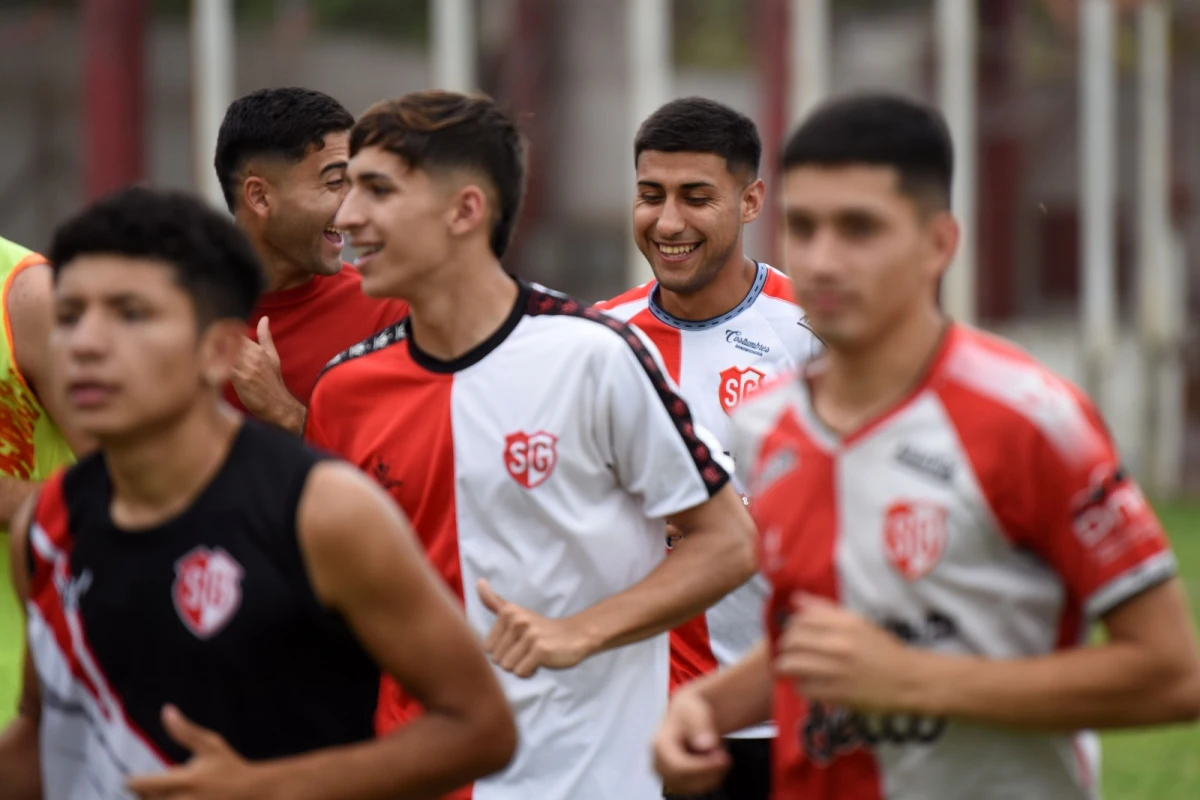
[1163, 765]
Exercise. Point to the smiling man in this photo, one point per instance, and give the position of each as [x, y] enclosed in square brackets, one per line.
[724, 323]
[281, 161]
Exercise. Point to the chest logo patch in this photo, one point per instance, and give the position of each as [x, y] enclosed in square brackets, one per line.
[207, 590]
[737, 384]
[914, 537]
[530, 457]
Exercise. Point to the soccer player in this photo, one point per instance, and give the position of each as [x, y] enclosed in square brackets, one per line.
[534, 442]
[942, 519]
[724, 324]
[33, 440]
[281, 161]
[209, 601]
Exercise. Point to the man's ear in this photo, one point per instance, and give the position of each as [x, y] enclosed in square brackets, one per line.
[257, 195]
[221, 346]
[470, 207]
[753, 197]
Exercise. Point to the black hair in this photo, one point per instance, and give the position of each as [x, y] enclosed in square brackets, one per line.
[699, 125]
[211, 258]
[439, 130]
[281, 123]
[880, 130]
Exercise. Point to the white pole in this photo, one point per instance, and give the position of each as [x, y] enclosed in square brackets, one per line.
[648, 45]
[810, 39]
[212, 88]
[452, 55]
[957, 25]
[1097, 84]
[1155, 319]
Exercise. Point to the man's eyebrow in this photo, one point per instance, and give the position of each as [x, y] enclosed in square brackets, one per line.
[334, 165]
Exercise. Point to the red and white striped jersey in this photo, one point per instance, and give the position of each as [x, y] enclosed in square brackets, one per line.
[717, 363]
[543, 461]
[986, 515]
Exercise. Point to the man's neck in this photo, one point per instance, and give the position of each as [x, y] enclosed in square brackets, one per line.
[279, 270]
[856, 387]
[729, 288]
[461, 309]
[158, 475]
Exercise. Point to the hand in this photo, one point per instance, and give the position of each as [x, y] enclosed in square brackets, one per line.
[838, 658]
[521, 641]
[214, 772]
[258, 381]
[688, 752]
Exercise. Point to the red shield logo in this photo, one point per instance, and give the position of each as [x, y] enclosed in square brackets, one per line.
[914, 536]
[530, 457]
[738, 384]
[207, 590]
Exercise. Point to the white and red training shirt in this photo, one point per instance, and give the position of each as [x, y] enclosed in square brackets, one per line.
[544, 461]
[716, 363]
[986, 515]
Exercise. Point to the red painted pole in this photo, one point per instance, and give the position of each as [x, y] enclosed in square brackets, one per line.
[772, 23]
[114, 33]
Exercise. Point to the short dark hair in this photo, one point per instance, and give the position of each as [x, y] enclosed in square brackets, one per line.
[282, 123]
[438, 130]
[879, 130]
[700, 125]
[210, 256]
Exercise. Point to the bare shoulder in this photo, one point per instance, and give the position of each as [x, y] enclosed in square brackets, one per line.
[30, 310]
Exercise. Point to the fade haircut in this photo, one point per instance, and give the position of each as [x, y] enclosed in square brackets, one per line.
[275, 123]
[210, 257]
[438, 131]
[699, 125]
[880, 130]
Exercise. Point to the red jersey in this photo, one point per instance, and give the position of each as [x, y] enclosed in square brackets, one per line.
[314, 322]
[986, 515]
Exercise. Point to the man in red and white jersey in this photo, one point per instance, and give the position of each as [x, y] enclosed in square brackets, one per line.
[536, 445]
[941, 517]
[724, 324]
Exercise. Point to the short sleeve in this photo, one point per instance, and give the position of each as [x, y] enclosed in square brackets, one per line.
[646, 431]
[316, 431]
[1069, 499]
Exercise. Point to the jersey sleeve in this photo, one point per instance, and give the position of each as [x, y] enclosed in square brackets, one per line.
[317, 431]
[646, 432]
[1072, 502]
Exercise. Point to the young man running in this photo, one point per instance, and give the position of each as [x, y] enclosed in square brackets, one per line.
[281, 161]
[942, 518]
[209, 602]
[535, 444]
[724, 324]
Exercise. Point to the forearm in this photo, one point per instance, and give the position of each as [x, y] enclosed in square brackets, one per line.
[739, 696]
[426, 758]
[288, 414]
[699, 571]
[13, 492]
[20, 774]
[1111, 686]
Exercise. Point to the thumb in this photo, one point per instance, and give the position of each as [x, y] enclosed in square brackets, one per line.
[264, 337]
[492, 601]
[196, 739]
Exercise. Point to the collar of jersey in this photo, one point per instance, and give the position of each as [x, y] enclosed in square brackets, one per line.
[760, 280]
[481, 350]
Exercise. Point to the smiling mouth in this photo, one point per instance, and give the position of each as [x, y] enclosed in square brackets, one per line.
[676, 250]
[365, 253]
[334, 237]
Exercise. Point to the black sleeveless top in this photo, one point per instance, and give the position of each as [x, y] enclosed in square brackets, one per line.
[211, 611]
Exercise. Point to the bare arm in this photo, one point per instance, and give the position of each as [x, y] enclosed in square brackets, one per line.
[31, 315]
[20, 772]
[1147, 673]
[741, 695]
[365, 563]
[715, 556]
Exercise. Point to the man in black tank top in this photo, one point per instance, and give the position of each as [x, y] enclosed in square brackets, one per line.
[210, 603]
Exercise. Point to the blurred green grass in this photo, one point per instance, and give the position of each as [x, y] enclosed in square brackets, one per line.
[1162, 764]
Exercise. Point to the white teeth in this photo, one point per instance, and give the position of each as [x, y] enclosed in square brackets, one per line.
[677, 250]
